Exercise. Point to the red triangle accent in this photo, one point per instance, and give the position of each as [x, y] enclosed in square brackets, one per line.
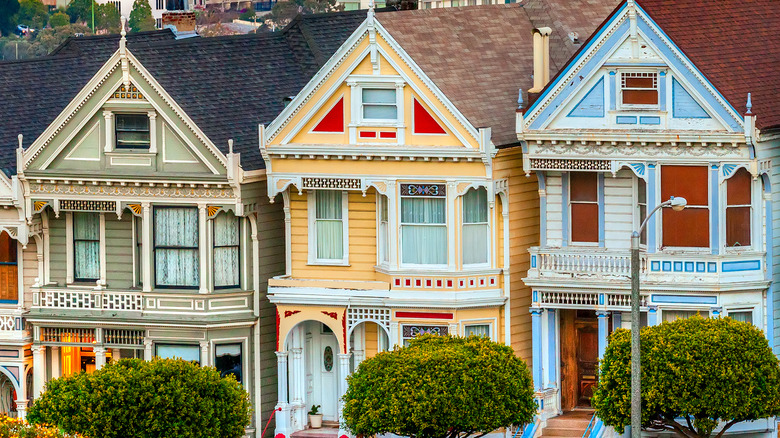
[424, 123]
[334, 120]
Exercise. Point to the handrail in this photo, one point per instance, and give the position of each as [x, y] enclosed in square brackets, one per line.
[590, 425]
[271, 417]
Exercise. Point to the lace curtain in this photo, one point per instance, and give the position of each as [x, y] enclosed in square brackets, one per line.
[176, 246]
[424, 231]
[86, 244]
[226, 250]
[475, 227]
[329, 227]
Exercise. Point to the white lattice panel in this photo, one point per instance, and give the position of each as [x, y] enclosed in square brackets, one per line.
[379, 315]
[120, 301]
[7, 322]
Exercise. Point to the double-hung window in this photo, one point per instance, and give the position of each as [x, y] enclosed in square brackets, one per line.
[475, 227]
[738, 208]
[639, 89]
[86, 246]
[641, 208]
[383, 233]
[423, 224]
[227, 259]
[329, 233]
[178, 351]
[584, 208]
[741, 315]
[228, 360]
[176, 257]
[689, 228]
[132, 131]
[379, 104]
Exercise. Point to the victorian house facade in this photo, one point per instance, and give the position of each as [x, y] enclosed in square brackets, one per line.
[633, 120]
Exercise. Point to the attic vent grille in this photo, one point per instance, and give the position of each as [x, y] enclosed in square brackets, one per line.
[627, 76]
[558, 164]
[356, 315]
[331, 183]
[124, 93]
[80, 205]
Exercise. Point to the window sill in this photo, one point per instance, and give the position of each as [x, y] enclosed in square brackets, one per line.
[130, 152]
[327, 263]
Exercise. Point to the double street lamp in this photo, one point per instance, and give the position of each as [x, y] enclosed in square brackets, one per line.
[677, 204]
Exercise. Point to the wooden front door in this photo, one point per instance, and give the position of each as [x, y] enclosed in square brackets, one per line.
[579, 357]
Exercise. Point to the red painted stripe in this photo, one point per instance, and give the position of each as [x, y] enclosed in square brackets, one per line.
[367, 134]
[387, 134]
[423, 315]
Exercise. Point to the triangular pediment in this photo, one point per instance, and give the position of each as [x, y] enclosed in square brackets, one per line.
[371, 93]
[631, 76]
[123, 121]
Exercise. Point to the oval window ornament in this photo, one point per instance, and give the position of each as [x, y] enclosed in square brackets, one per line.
[327, 359]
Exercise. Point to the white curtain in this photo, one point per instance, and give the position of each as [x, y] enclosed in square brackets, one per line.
[424, 231]
[672, 315]
[173, 351]
[743, 316]
[176, 246]
[475, 227]
[329, 225]
[379, 104]
[478, 330]
[383, 236]
[226, 250]
[86, 243]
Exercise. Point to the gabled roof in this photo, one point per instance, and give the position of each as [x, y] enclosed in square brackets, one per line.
[227, 85]
[481, 56]
[733, 43]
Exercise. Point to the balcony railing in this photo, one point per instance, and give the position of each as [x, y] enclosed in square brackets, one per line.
[88, 300]
[684, 267]
[12, 325]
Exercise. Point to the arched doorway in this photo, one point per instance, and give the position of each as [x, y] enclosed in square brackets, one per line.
[7, 396]
[366, 339]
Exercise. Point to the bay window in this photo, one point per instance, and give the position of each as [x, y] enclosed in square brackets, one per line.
[227, 250]
[178, 351]
[673, 315]
[383, 233]
[423, 224]
[741, 315]
[475, 227]
[86, 246]
[329, 233]
[584, 207]
[690, 227]
[176, 258]
[482, 330]
[738, 208]
[641, 203]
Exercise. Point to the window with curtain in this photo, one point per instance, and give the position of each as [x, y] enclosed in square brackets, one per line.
[477, 330]
[584, 206]
[9, 273]
[383, 234]
[138, 230]
[691, 226]
[86, 246]
[176, 258]
[475, 227]
[641, 205]
[227, 259]
[380, 104]
[178, 351]
[423, 226]
[329, 224]
[738, 208]
[227, 360]
[741, 315]
[673, 315]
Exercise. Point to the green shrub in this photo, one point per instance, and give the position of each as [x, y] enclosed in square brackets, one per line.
[134, 398]
[440, 386]
[696, 372]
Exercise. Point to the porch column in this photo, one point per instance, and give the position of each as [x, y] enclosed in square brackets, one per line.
[100, 357]
[603, 329]
[536, 347]
[116, 354]
[56, 372]
[21, 397]
[297, 383]
[343, 373]
[394, 338]
[359, 345]
[146, 249]
[148, 349]
[202, 248]
[283, 416]
[21, 408]
[652, 315]
[204, 353]
[552, 350]
[39, 369]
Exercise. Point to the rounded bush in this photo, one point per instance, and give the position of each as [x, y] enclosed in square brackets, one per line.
[156, 399]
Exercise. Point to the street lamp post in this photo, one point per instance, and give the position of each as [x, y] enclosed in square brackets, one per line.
[677, 204]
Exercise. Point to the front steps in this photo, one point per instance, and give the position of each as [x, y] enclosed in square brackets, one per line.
[572, 424]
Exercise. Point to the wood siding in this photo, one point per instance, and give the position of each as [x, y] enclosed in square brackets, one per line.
[524, 233]
[554, 224]
[29, 269]
[618, 214]
[58, 258]
[119, 251]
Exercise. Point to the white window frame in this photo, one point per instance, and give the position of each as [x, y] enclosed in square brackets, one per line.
[382, 254]
[637, 211]
[489, 237]
[359, 82]
[432, 267]
[491, 323]
[756, 213]
[660, 212]
[573, 242]
[634, 106]
[312, 216]
[70, 250]
[741, 309]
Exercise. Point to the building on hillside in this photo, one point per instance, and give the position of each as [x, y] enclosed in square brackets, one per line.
[159, 7]
[630, 122]
[402, 215]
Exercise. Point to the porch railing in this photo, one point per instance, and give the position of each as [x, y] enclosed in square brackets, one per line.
[88, 300]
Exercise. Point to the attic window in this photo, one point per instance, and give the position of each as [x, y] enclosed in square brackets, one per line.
[380, 104]
[639, 88]
[132, 131]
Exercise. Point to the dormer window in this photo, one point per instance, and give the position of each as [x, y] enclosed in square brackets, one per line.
[380, 104]
[639, 89]
[132, 131]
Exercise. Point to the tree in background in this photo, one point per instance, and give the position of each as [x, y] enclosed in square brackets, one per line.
[49, 39]
[59, 19]
[80, 10]
[157, 399]
[107, 18]
[33, 13]
[440, 386]
[141, 19]
[8, 9]
[248, 14]
[697, 373]
[284, 11]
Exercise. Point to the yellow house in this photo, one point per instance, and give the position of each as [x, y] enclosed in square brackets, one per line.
[402, 217]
